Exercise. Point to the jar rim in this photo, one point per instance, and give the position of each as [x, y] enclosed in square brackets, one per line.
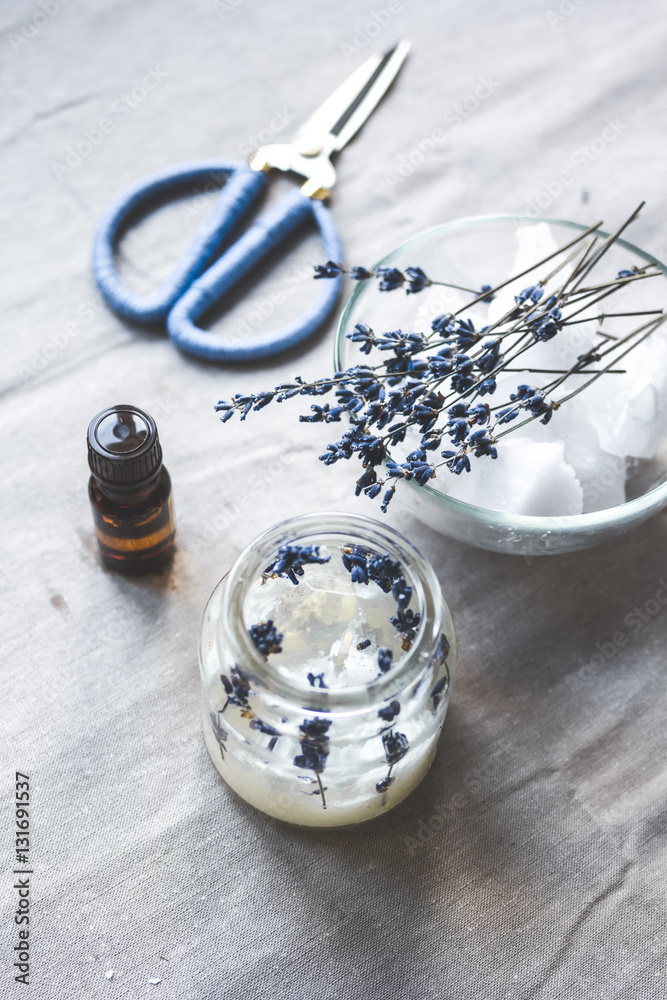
[360, 529]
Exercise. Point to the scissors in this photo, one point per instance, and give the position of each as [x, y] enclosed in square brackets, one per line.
[202, 277]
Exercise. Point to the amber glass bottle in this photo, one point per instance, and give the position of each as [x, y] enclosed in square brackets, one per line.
[130, 490]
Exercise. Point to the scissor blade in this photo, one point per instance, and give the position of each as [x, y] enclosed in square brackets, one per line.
[345, 111]
[371, 94]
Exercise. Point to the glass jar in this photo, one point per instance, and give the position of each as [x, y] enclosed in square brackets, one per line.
[326, 658]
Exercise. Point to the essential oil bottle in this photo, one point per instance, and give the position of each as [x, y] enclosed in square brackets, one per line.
[130, 490]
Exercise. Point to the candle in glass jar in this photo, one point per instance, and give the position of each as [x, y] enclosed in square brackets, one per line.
[326, 660]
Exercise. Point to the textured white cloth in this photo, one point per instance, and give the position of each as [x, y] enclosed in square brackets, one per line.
[530, 864]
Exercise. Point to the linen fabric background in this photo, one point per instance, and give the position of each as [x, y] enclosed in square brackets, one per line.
[530, 864]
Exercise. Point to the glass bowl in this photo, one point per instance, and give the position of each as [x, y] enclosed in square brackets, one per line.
[469, 252]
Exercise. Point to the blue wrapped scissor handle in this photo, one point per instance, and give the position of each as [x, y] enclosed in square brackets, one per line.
[199, 280]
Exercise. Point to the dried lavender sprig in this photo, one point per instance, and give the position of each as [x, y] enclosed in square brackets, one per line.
[563, 263]
[332, 269]
[579, 251]
[561, 322]
[548, 413]
[545, 410]
[615, 285]
[266, 637]
[557, 296]
[314, 749]
[362, 390]
[522, 323]
[649, 327]
[290, 562]
[586, 256]
[392, 278]
[580, 365]
[594, 301]
[607, 243]
[564, 371]
[603, 316]
[533, 267]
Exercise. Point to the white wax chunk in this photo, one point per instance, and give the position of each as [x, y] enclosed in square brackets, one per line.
[629, 411]
[601, 475]
[528, 477]
[602, 478]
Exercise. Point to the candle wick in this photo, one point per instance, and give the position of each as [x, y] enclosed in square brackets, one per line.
[341, 656]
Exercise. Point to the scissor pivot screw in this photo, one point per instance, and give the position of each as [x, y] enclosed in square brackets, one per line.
[306, 147]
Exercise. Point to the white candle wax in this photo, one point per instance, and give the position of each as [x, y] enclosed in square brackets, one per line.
[338, 718]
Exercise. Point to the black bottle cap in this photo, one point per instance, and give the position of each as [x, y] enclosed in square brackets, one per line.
[123, 448]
